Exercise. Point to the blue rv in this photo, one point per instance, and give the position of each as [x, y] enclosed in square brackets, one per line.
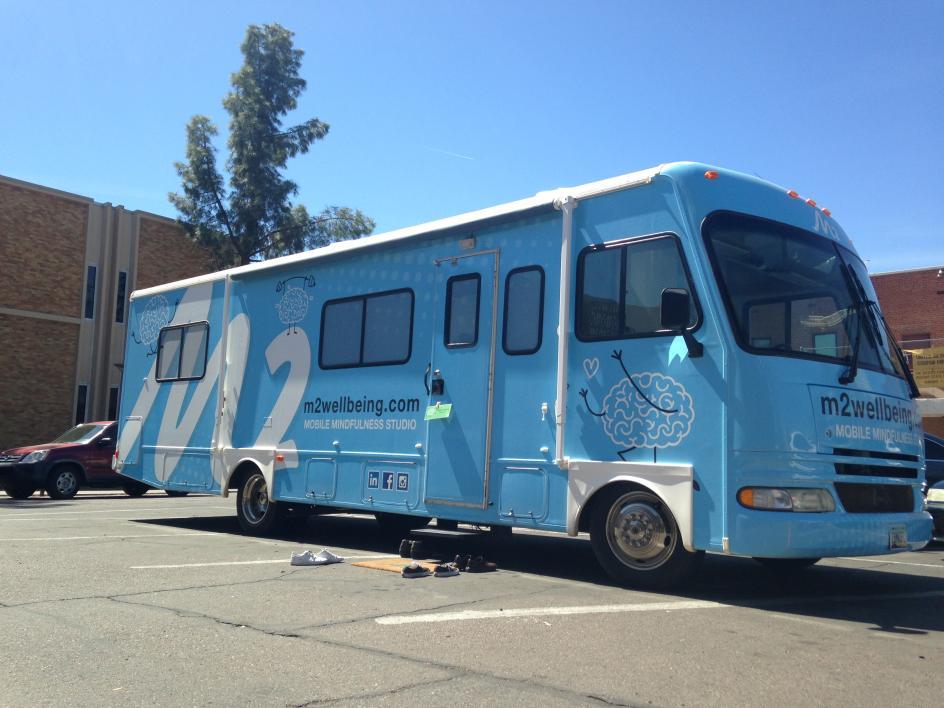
[677, 360]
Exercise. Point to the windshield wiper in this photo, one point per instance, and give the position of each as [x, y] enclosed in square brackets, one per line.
[899, 354]
[849, 375]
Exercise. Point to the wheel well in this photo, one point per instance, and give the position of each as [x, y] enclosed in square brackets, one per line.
[243, 470]
[68, 463]
[586, 513]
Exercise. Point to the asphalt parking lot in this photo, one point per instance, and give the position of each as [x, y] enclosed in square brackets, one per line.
[108, 600]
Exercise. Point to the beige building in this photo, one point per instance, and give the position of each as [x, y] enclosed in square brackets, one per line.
[69, 264]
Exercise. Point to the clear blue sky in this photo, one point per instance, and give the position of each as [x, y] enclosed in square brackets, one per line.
[442, 107]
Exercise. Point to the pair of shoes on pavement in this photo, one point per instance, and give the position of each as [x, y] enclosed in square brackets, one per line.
[324, 557]
[411, 549]
[474, 564]
[417, 570]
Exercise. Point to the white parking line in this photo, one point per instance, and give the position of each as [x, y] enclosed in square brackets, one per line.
[129, 514]
[47, 514]
[550, 611]
[255, 562]
[120, 535]
[875, 560]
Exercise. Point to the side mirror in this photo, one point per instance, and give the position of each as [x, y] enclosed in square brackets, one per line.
[676, 305]
[104, 441]
[676, 308]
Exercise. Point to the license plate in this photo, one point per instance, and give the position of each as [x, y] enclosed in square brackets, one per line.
[897, 537]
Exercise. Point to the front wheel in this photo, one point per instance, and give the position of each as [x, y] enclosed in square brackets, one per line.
[63, 483]
[636, 539]
[255, 512]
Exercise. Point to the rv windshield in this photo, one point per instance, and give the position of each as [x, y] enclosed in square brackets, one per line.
[787, 293]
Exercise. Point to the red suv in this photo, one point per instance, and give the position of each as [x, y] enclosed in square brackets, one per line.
[80, 457]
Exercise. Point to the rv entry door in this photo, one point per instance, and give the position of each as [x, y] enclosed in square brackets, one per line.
[461, 379]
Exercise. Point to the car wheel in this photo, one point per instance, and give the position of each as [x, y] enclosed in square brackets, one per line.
[175, 493]
[399, 525]
[255, 512]
[636, 539]
[19, 491]
[63, 482]
[135, 489]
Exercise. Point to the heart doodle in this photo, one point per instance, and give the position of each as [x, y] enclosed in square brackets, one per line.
[590, 367]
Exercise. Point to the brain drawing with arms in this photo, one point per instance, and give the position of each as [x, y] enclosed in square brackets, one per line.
[644, 410]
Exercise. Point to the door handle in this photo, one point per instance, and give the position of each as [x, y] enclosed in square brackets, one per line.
[426, 377]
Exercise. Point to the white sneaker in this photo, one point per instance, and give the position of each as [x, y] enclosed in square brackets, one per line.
[325, 557]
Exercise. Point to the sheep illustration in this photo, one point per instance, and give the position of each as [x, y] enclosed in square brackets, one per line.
[157, 315]
[294, 303]
[647, 410]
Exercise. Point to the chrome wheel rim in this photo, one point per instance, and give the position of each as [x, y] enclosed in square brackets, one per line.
[255, 502]
[639, 531]
[66, 482]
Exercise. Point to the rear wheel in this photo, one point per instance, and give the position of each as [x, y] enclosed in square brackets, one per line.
[135, 489]
[786, 565]
[63, 482]
[636, 539]
[19, 491]
[255, 512]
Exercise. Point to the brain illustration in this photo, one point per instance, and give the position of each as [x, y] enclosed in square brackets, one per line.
[293, 306]
[631, 421]
[156, 315]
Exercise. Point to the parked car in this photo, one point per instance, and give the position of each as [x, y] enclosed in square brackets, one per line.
[933, 459]
[934, 503]
[80, 457]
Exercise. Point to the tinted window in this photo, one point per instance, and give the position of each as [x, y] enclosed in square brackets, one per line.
[182, 352]
[368, 330]
[619, 289]
[80, 401]
[524, 310]
[462, 310]
[91, 275]
[120, 297]
[932, 450]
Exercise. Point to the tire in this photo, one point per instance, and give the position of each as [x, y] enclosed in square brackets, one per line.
[18, 490]
[63, 482]
[399, 525]
[786, 565]
[135, 489]
[175, 493]
[636, 539]
[256, 513]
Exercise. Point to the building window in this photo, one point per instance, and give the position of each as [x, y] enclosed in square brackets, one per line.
[367, 330]
[120, 297]
[80, 401]
[182, 352]
[619, 288]
[524, 310]
[91, 275]
[462, 310]
[113, 403]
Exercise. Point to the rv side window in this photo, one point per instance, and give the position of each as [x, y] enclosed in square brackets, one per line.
[367, 330]
[462, 310]
[524, 310]
[182, 352]
[619, 288]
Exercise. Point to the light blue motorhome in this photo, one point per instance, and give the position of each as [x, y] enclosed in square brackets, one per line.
[725, 381]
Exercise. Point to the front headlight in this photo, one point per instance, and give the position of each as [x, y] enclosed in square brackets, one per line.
[936, 494]
[770, 499]
[35, 456]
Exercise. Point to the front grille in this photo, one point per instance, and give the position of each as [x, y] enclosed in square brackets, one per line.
[9, 458]
[849, 452]
[875, 498]
[876, 470]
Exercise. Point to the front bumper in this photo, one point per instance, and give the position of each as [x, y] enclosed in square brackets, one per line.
[772, 534]
[936, 510]
[19, 473]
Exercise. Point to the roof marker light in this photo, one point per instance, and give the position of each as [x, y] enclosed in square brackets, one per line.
[811, 202]
[711, 174]
[827, 212]
[792, 193]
